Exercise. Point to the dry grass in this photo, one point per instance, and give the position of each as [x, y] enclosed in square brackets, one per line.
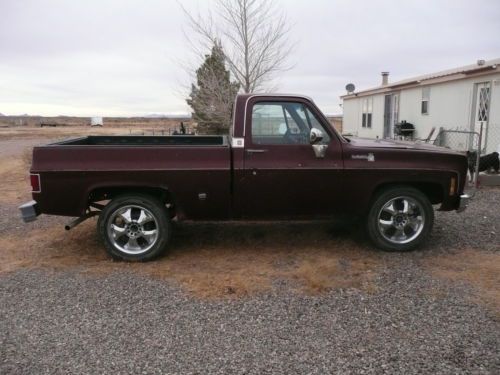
[71, 121]
[14, 181]
[319, 271]
[478, 268]
[210, 260]
[63, 132]
[49, 248]
[57, 133]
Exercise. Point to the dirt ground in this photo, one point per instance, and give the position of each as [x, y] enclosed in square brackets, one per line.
[218, 260]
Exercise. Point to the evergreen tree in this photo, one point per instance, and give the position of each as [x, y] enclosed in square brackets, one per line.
[212, 97]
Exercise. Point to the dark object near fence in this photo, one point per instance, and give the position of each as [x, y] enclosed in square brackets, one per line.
[42, 124]
[489, 162]
[404, 129]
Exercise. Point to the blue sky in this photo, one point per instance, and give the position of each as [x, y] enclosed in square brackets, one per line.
[121, 57]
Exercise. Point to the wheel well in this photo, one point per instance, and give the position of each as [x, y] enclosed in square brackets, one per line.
[432, 190]
[108, 193]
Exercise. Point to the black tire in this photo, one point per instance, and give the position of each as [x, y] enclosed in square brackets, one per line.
[408, 230]
[151, 233]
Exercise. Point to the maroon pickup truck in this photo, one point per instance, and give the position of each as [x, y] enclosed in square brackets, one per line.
[282, 161]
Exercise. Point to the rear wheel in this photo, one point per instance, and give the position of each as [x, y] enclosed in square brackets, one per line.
[135, 228]
[400, 219]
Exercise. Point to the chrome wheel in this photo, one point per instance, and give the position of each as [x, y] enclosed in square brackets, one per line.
[133, 229]
[401, 220]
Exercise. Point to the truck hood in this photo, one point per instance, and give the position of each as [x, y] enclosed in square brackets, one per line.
[401, 145]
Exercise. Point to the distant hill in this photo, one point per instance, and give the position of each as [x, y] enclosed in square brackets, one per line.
[1, 114]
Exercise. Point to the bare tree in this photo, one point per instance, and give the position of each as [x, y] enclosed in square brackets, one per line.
[253, 35]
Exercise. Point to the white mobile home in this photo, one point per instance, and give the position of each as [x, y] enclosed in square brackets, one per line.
[460, 98]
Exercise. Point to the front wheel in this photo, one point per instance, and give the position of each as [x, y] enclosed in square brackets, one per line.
[400, 219]
[134, 228]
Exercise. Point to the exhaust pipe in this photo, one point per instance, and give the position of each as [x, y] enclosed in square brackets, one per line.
[81, 219]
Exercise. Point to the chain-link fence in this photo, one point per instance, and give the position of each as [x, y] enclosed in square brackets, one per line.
[458, 140]
[185, 130]
[476, 143]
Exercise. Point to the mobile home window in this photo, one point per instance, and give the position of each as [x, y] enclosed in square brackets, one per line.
[366, 121]
[426, 95]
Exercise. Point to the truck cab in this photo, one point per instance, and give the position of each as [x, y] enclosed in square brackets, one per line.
[279, 172]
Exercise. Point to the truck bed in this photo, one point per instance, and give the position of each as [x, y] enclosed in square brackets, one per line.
[187, 166]
[134, 140]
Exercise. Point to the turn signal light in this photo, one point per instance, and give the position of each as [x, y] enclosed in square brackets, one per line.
[453, 186]
[35, 183]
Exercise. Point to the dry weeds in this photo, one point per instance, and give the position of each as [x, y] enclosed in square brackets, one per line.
[478, 268]
[57, 133]
[14, 180]
[210, 260]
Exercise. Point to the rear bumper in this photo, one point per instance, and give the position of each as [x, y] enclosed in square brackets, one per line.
[29, 211]
[464, 202]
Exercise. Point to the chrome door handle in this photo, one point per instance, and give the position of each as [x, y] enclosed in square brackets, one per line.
[255, 151]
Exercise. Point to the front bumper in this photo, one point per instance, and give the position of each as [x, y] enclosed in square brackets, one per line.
[464, 202]
[29, 211]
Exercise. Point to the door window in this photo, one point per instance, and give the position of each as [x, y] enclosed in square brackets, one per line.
[284, 123]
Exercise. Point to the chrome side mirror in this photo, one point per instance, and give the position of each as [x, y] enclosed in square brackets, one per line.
[315, 136]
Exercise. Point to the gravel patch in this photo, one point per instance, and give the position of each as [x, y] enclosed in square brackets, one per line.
[477, 227]
[67, 323]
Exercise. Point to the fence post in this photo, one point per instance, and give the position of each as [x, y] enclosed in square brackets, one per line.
[479, 146]
[440, 137]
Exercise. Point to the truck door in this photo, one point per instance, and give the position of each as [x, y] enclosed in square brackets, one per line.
[282, 175]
